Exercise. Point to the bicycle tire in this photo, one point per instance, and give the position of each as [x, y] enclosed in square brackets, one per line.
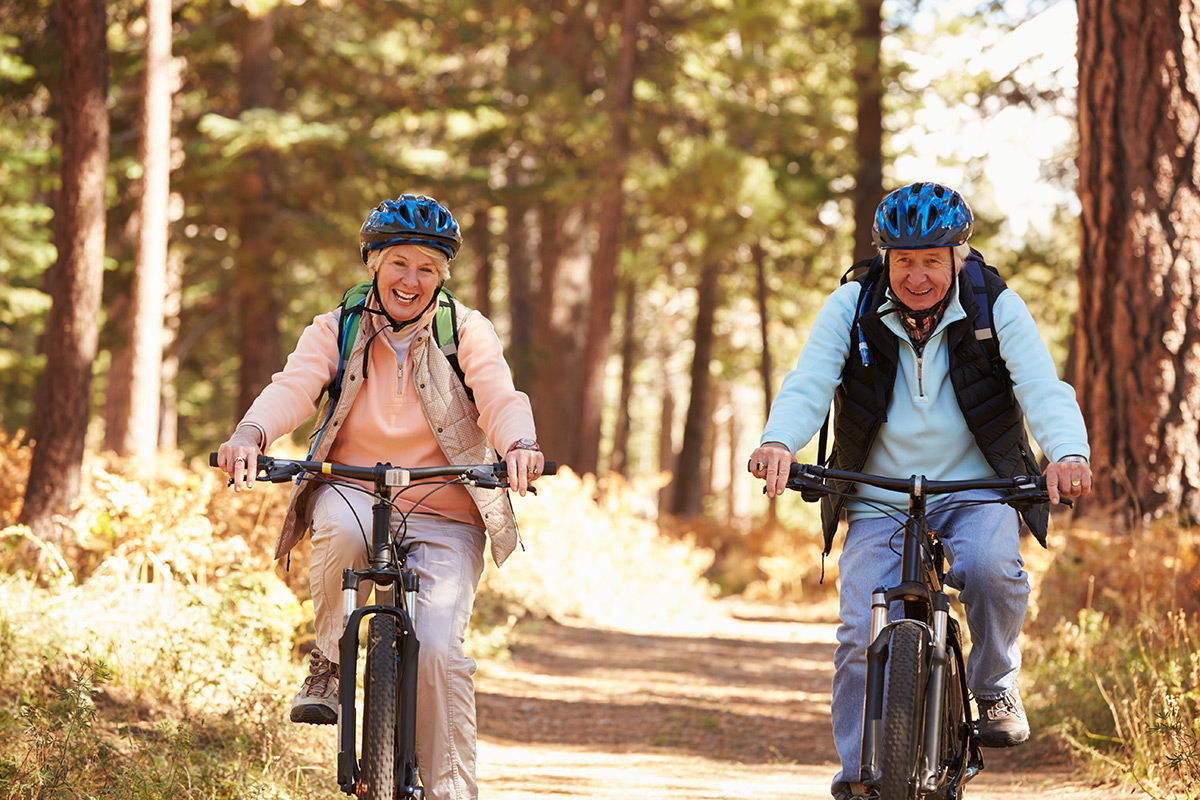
[902, 712]
[377, 770]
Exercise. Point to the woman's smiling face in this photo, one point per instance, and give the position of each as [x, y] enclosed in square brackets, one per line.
[921, 278]
[407, 279]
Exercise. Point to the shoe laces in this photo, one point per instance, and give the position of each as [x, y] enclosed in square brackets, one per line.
[320, 670]
[1003, 706]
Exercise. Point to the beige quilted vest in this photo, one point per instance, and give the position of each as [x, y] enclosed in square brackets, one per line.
[453, 418]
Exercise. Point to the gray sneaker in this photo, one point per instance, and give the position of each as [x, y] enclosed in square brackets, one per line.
[317, 702]
[1002, 720]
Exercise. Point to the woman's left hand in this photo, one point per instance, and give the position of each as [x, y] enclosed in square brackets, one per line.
[524, 467]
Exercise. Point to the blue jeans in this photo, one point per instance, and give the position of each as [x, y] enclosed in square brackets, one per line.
[985, 565]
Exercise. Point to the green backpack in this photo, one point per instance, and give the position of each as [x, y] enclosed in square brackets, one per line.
[445, 335]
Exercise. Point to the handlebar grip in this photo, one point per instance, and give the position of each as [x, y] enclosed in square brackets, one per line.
[212, 459]
[550, 468]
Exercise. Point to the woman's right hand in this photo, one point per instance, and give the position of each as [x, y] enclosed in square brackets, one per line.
[239, 458]
[772, 462]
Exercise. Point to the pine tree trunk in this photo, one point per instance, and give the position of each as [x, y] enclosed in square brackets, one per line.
[1138, 332]
[60, 419]
[560, 330]
[868, 139]
[689, 482]
[619, 462]
[257, 255]
[608, 249]
[150, 268]
[766, 369]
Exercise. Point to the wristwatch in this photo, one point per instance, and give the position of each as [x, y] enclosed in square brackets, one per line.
[523, 444]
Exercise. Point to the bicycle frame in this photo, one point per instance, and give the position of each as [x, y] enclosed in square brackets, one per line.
[926, 604]
[386, 570]
[920, 589]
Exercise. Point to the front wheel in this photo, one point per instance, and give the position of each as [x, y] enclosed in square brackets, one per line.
[377, 776]
[902, 711]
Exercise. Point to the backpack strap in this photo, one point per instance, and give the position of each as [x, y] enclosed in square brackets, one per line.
[445, 334]
[353, 303]
[870, 268]
[985, 326]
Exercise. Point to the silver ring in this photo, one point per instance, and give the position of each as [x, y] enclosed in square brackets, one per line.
[239, 458]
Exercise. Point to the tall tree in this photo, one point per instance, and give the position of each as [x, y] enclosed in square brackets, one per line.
[690, 480]
[1139, 277]
[257, 289]
[868, 138]
[150, 263]
[608, 248]
[60, 420]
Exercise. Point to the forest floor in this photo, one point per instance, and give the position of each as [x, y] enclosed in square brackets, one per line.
[739, 709]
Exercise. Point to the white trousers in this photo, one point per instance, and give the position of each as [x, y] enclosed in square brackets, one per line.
[448, 557]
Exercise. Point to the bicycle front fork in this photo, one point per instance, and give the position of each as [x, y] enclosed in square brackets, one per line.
[877, 654]
[406, 780]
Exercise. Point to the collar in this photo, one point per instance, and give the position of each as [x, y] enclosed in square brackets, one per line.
[953, 313]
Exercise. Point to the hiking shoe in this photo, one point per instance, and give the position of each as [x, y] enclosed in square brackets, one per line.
[847, 791]
[1002, 720]
[317, 702]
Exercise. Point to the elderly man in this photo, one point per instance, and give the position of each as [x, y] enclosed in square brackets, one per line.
[918, 392]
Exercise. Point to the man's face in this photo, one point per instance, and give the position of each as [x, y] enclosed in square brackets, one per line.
[921, 278]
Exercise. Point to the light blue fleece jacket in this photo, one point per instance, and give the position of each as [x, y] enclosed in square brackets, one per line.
[925, 433]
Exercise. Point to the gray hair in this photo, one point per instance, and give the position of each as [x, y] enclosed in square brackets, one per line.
[958, 255]
[439, 258]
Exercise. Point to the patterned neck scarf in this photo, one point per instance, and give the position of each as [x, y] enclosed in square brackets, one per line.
[920, 326]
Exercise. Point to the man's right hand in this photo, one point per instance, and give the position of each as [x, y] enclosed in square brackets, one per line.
[772, 462]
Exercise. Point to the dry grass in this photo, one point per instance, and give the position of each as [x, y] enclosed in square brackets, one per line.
[1114, 653]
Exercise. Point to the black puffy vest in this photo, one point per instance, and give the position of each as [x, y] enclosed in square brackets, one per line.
[981, 385]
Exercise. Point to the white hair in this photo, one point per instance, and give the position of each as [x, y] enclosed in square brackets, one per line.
[958, 254]
[439, 258]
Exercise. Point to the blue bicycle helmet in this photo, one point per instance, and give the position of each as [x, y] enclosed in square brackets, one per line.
[410, 219]
[921, 216]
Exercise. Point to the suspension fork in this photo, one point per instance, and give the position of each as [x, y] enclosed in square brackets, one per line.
[873, 707]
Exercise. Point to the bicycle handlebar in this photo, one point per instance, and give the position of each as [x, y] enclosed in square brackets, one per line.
[917, 482]
[806, 478]
[281, 470]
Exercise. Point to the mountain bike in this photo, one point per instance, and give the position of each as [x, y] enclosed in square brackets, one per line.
[920, 739]
[383, 766]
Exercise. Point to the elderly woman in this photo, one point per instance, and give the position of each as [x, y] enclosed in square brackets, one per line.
[918, 392]
[399, 402]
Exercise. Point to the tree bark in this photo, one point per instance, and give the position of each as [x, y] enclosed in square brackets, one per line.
[150, 267]
[1137, 364]
[561, 329]
[481, 241]
[608, 249]
[523, 322]
[60, 420]
[766, 368]
[257, 303]
[619, 462]
[688, 500]
[868, 138]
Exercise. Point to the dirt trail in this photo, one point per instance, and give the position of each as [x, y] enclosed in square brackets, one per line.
[740, 710]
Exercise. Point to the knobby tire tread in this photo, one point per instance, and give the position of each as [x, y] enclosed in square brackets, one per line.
[903, 711]
[379, 711]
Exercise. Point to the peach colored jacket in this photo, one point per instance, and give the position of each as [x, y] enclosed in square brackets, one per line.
[411, 414]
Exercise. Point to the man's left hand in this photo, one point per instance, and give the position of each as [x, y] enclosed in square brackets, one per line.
[1067, 479]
